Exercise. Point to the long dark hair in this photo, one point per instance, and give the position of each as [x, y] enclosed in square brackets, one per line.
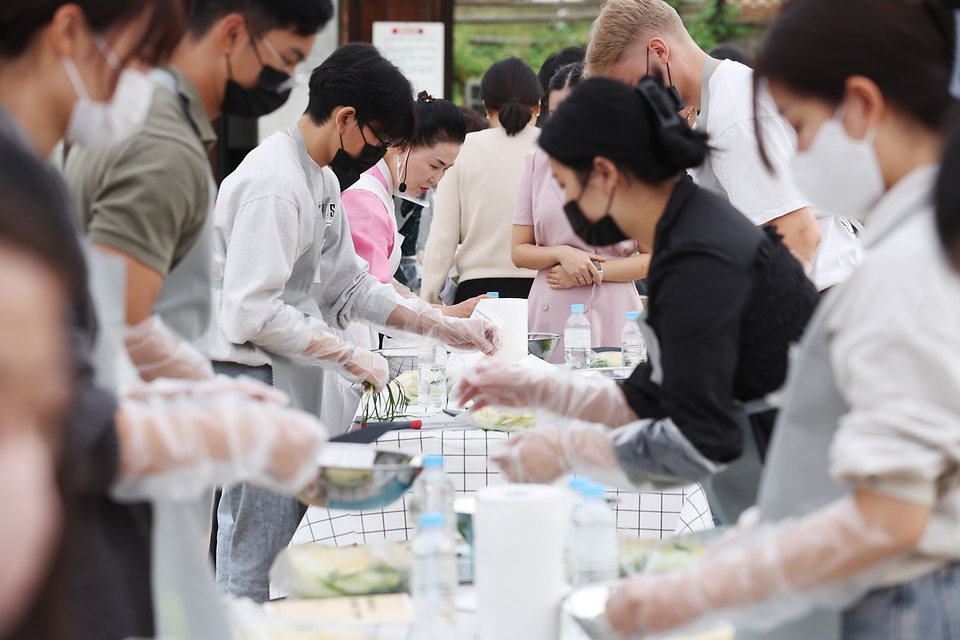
[947, 199]
[511, 88]
[575, 135]
[439, 121]
[21, 19]
[906, 48]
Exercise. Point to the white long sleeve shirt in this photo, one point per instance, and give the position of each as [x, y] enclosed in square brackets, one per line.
[895, 349]
[263, 223]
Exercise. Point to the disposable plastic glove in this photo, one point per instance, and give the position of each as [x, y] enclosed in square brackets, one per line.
[509, 384]
[177, 445]
[543, 454]
[220, 384]
[772, 574]
[157, 353]
[353, 363]
[466, 334]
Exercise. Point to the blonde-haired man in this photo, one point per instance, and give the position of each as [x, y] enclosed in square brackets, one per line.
[632, 38]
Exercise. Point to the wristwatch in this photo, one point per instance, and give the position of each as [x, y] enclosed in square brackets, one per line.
[599, 266]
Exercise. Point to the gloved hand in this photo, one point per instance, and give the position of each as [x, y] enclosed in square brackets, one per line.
[354, 363]
[508, 384]
[175, 446]
[220, 384]
[543, 454]
[825, 560]
[418, 317]
[157, 353]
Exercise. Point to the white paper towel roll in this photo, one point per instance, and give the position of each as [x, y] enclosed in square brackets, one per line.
[518, 540]
[510, 315]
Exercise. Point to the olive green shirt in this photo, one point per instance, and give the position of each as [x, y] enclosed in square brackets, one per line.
[148, 195]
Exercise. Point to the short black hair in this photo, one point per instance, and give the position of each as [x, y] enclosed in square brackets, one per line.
[569, 75]
[556, 60]
[303, 17]
[439, 121]
[357, 75]
[727, 51]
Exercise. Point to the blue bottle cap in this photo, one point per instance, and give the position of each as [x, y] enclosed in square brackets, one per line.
[493, 294]
[433, 462]
[576, 308]
[594, 490]
[431, 520]
[578, 484]
[633, 315]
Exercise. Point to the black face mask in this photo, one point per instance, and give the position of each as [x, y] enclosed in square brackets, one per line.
[602, 233]
[348, 170]
[269, 95]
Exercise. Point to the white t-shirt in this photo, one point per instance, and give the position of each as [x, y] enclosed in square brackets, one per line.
[737, 171]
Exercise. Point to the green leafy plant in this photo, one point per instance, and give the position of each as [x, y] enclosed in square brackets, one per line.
[386, 406]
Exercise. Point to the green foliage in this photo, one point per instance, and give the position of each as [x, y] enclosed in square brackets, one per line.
[531, 42]
[709, 26]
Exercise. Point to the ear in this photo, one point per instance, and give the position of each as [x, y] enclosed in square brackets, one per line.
[490, 113]
[230, 33]
[864, 106]
[607, 171]
[65, 30]
[342, 116]
[658, 47]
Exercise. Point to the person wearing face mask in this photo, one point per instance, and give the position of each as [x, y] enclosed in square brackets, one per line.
[475, 200]
[633, 37]
[726, 301]
[855, 535]
[236, 59]
[570, 270]
[156, 442]
[406, 173]
[286, 272]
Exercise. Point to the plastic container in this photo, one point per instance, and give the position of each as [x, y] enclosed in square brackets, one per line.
[576, 339]
[434, 580]
[632, 345]
[433, 492]
[432, 366]
[594, 539]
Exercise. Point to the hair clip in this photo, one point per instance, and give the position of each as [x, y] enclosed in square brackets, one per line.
[425, 97]
[666, 101]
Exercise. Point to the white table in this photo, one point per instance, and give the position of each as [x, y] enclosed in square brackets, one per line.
[465, 453]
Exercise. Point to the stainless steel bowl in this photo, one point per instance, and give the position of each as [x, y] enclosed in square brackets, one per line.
[542, 345]
[390, 476]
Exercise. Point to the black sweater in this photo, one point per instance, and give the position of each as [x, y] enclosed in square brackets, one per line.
[726, 301]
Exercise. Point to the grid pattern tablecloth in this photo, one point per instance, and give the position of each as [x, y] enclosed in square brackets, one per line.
[466, 460]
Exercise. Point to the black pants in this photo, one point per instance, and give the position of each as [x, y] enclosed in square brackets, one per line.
[506, 287]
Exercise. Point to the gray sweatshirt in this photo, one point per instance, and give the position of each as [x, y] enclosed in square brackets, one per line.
[263, 222]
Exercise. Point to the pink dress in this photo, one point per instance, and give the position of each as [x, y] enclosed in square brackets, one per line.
[540, 205]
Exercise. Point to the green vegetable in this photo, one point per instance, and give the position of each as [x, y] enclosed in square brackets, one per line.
[386, 406]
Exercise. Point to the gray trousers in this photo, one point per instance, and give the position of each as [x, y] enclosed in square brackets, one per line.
[253, 524]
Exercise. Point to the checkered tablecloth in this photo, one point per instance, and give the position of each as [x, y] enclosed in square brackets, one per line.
[466, 460]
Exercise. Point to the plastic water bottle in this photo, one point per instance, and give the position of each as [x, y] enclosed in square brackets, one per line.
[432, 365]
[433, 492]
[434, 580]
[632, 345]
[594, 538]
[576, 339]
[576, 486]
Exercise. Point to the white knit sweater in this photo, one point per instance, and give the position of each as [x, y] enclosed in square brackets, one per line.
[474, 207]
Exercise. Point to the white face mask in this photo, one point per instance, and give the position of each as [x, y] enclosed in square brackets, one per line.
[840, 176]
[99, 124]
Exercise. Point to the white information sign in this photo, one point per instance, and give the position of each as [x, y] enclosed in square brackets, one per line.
[417, 49]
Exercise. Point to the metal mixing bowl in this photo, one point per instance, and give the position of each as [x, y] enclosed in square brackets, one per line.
[390, 477]
[542, 345]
